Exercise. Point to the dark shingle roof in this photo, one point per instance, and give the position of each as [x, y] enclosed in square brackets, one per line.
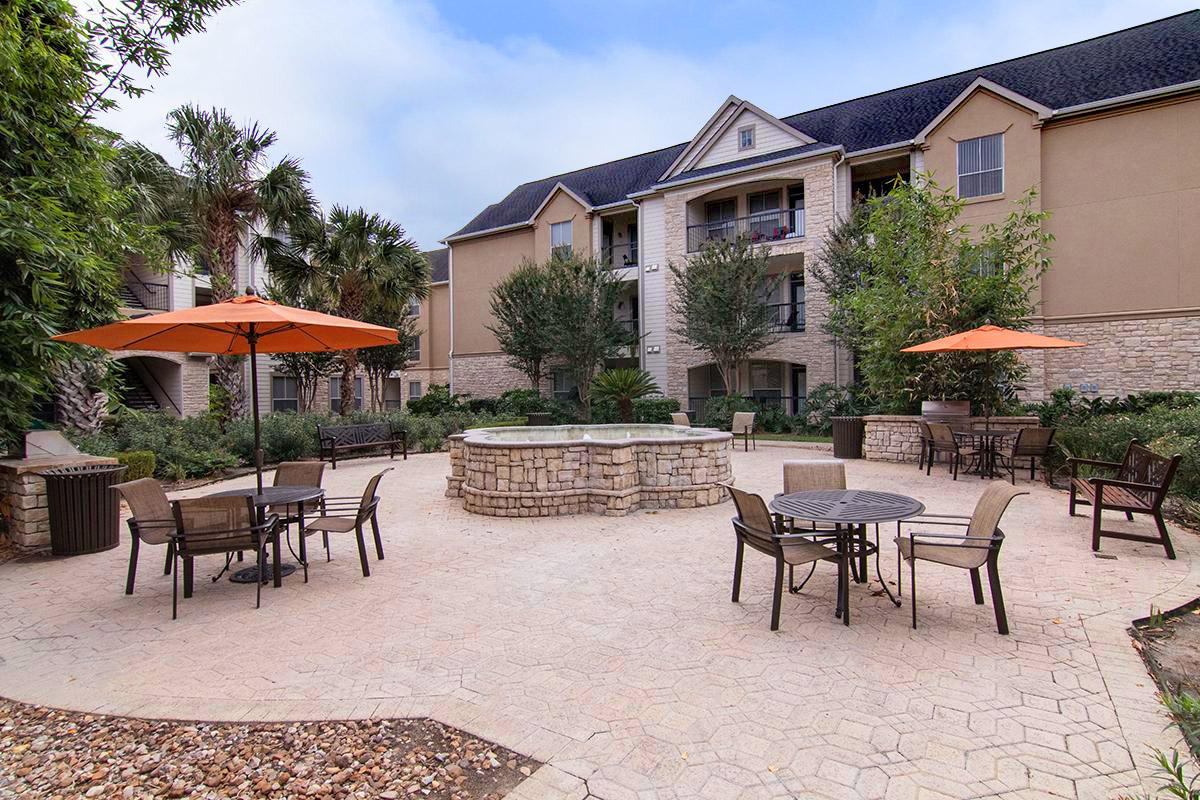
[1151, 56]
[439, 265]
[746, 162]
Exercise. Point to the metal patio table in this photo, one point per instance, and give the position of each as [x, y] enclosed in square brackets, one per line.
[849, 511]
[275, 496]
[989, 440]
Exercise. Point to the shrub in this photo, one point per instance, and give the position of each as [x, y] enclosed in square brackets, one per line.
[438, 400]
[286, 436]
[523, 402]
[183, 448]
[719, 411]
[827, 400]
[139, 464]
[655, 410]
[773, 419]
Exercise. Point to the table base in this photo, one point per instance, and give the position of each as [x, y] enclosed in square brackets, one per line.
[251, 574]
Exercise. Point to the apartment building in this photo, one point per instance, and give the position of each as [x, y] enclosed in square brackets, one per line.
[1108, 129]
[178, 383]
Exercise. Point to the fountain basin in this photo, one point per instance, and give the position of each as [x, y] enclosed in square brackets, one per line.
[587, 469]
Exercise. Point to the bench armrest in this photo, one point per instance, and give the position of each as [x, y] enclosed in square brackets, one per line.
[1133, 485]
[1074, 463]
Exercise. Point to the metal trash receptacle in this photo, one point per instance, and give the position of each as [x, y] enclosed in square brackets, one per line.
[83, 508]
[848, 437]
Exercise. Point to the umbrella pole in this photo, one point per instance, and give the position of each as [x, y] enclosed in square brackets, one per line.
[252, 337]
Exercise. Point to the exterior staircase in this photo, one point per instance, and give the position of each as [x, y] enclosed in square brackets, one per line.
[128, 298]
[136, 395]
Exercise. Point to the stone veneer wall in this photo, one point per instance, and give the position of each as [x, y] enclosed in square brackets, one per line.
[542, 480]
[898, 437]
[1127, 355]
[489, 376]
[23, 507]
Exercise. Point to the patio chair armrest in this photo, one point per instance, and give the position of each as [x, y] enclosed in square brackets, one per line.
[950, 520]
[958, 537]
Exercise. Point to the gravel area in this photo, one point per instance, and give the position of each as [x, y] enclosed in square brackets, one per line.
[49, 753]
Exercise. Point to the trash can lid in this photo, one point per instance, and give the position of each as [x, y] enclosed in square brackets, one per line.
[81, 470]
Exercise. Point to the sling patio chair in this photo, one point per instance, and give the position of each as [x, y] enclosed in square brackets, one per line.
[1031, 443]
[943, 440]
[218, 526]
[345, 514]
[743, 425]
[755, 527]
[978, 547]
[297, 473]
[152, 522]
[815, 475]
[926, 441]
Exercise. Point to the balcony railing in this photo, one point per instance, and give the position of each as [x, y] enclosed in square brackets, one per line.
[619, 256]
[768, 226]
[787, 317]
[151, 296]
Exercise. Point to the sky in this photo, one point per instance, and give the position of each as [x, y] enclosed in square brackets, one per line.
[426, 112]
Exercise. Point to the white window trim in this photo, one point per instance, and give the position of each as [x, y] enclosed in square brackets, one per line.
[960, 174]
[753, 138]
[569, 245]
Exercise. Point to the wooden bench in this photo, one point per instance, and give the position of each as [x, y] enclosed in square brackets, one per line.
[334, 439]
[1140, 486]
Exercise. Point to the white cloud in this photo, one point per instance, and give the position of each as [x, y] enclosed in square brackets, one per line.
[391, 109]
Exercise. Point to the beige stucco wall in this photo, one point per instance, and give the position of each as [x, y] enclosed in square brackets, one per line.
[562, 207]
[478, 265]
[1124, 195]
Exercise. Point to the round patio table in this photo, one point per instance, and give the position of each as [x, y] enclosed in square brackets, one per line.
[989, 440]
[274, 496]
[850, 511]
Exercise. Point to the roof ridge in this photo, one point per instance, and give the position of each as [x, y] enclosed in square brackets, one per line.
[594, 166]
[992, 64]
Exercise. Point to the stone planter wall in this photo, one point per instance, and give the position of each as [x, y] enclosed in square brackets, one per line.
[599, 477]
[23, 506]
[898, 437]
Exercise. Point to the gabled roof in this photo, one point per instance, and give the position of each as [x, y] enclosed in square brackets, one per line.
[439, 265]
[1154, 56]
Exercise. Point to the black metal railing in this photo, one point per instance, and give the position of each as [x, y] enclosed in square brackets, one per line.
[619, 256]
[787, 317]
[153, 296]
[767, 226]
[792, 406]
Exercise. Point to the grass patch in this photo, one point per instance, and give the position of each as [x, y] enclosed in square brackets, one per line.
[794, 437]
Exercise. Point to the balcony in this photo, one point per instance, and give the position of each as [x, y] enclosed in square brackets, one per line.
[619, 256]
[787, 317]
[768, 226]
[139, 294]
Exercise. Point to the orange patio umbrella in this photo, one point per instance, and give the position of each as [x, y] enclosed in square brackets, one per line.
[988, 339]
[248, 324]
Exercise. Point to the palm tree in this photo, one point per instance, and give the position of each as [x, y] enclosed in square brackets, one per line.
[355, 263]
[230, 192]
[624, 386]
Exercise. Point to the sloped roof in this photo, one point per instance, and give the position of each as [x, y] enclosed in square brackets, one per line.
[1150, 56]
[749, 162]
[439, 265]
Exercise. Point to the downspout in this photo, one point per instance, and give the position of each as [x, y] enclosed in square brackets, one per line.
[641, 342]
[837, 219]
[450, 279]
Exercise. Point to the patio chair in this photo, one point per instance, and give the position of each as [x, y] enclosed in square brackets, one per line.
[756, 528]
[814, 475]
[345, 514]
[926, 444]
[297, 473]
[979, 546]
[743, 425]
[152, 522]
[1031, 443]
[218, 526]
[681, 419]
[943, 440]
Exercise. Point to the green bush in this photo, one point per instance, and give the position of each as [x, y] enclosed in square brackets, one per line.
[286, 436]
[719, 411]
[436, 401]
[523, 402]
[183, 448]
[773, 419]
[827, 400]
[655, 410]
[139, 464]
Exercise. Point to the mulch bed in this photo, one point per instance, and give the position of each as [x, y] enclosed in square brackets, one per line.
[48, 753]
[1170, 646]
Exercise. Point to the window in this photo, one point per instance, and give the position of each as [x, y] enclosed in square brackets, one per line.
[746, 138]
[765, 220]
[414, 352]
[335, 394]
[414, 390]
[284, 394]
[720, 210]
[414, 307]
[981, 166]
[560, 239]
[565, 388]
[796, 207]
[392, 400]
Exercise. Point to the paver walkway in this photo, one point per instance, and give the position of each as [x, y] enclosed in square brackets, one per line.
[608, 648]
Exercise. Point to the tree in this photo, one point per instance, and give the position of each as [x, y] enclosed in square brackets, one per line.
[229, 192]
[520, 309]
[581, 324]
[356, 263]
[66, 221]
[623, 386]
[719, 304]
[908, 271]
[380, 362]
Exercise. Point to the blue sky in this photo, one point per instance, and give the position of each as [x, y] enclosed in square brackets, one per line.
[428, 111]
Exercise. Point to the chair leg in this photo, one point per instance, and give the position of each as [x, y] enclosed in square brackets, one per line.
[170, 558]
[174, 590]
[921, 458]
[1071, 500]
[1032, 475]
[737, 571]
[1166, 537]
[862, 559]
[1096, 527]
[929, 463]
[375, 533]
[955, 460]
[845, 590]
[1129, 516]
[262, 570]
[362, 551]
[912, 589]
[899, 566]
[325, 540]
[976, 587]
[777, 594]
[189, 568]
[997, 598]
[134, 541]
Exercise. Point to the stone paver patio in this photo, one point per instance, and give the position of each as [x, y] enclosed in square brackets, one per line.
[608, 648]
